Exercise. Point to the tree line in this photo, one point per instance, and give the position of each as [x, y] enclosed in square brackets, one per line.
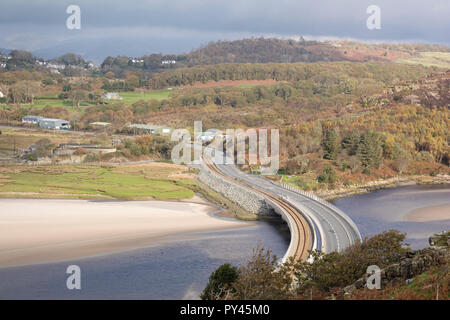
[292, 72]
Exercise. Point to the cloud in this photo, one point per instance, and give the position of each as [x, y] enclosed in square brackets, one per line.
[39, 24]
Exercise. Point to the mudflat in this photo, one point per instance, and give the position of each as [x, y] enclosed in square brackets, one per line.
[38, 230]
[432, 213]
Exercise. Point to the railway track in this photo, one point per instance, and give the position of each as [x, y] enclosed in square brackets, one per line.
[305, 237]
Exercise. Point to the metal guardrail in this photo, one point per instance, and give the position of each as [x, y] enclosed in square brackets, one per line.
[289, 220]
[323, 202]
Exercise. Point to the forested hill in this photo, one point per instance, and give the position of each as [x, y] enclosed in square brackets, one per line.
[266, 50]
[259, 50]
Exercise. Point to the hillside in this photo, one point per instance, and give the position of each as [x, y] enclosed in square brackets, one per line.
[270, 50]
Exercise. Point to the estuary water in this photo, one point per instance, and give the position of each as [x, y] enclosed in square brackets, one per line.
[176, 269]
[395, 208]
[179, 267]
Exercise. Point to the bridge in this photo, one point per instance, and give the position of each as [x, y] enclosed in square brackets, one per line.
[314, 223]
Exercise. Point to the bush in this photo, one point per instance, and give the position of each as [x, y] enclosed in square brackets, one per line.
[328, 175]
[264, 279]
[92, 157]
[80, 151]
[220, 282]
[259, 279]
[342, 269]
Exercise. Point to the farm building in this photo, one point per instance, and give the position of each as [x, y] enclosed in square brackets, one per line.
[71, 148]
[112, 96]
[99, 125]
[151, 129]
[56, 124]
[31, 119]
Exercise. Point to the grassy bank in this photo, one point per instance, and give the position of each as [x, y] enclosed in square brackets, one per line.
[145, 181]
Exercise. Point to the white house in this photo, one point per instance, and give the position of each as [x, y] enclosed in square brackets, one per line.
[112, 96]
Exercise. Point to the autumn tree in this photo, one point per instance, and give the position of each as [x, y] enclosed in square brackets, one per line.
[31, 89]
[77, 96]
[261, 278]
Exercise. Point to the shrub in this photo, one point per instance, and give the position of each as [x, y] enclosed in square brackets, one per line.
[80, 151]
[328, 175]
[343, 268]
[220, 282]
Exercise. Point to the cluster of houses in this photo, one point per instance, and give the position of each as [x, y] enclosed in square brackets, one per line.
[52, 66]
[166, 62]
[56, 67]
[3, 59]
[47, 123]
[135, 61]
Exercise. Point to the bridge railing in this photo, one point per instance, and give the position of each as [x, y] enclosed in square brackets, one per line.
[323, 202]
[285, 216]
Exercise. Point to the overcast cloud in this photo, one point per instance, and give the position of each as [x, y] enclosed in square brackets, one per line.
[137, 27]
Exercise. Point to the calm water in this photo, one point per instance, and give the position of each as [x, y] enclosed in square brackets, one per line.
[385, 209]
[172, 270]
[179, 269]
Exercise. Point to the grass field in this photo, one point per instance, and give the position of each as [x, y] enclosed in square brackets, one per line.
[128, 98]
[430, 59]
[132, 97]
[145, 181]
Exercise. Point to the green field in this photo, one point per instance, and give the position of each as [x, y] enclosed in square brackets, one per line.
[132, 97]
[430, 59]
[93, 182]
[128, 98]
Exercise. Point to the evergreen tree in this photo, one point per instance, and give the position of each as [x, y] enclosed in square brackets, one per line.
[370, 149]
[330, 145]
[351, 141]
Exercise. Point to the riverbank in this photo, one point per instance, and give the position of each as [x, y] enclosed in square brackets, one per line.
[40, 231]
[346, 191]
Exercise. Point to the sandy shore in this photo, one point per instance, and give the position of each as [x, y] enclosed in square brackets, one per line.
[37, 231]
[433, 213]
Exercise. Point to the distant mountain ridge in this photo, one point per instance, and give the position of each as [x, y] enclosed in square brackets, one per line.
[5, 51]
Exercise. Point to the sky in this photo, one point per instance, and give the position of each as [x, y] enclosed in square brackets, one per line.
[138, 27]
